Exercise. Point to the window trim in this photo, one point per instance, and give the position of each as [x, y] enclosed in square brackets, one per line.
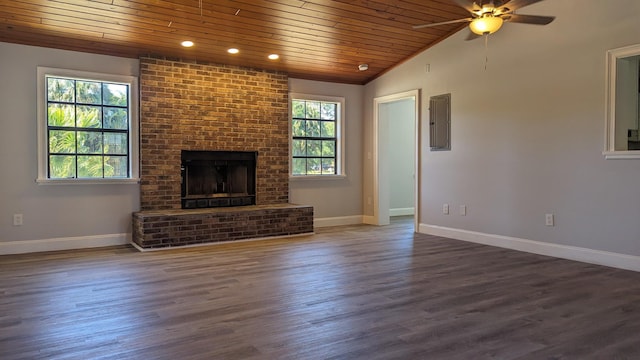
[134, 124]
[340, 131]
[610, 151]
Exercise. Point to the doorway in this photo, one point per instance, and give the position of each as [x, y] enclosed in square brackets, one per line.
[396, 156]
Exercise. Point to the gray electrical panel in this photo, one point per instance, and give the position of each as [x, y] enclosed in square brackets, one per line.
[440, 122]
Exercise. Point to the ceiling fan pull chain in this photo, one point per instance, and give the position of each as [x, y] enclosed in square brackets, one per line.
[486, 51]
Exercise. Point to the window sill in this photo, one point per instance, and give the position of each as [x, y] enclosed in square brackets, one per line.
[316, 177]
[620, 155]
[41, 181]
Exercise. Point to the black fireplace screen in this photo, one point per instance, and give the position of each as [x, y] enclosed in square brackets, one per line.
[218, 178]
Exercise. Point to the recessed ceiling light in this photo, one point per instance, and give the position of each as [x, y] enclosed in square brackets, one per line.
[363, 67]
[233, 51]
[274, 57]
[187, 43]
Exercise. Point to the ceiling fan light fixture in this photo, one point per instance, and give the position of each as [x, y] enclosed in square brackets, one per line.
[486, 25]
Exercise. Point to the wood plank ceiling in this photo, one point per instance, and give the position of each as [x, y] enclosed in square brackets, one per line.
[315, 39]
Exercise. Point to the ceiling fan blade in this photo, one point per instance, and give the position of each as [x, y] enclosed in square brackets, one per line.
[442, 23]
[469, 5]
[528, 19]
[517, 4]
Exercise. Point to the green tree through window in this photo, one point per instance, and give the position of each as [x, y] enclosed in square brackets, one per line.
[314, 137]
[87, 128]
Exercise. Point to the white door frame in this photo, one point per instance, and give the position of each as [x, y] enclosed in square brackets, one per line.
[381, 181]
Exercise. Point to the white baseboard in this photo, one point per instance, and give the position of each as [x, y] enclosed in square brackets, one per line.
[55, 244]
[338, 221]
[599, 257]
[401, 211]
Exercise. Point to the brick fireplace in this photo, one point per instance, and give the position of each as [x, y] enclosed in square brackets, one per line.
[193, 106]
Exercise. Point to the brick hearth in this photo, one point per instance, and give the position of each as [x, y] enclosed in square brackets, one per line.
[164, 228]
[199, 106]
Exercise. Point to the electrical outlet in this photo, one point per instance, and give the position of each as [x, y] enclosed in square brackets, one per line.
[463, 210]
[445, 209]
[548, 220]
[17, 219]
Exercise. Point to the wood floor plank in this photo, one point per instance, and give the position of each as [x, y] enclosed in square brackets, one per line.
[352, 292]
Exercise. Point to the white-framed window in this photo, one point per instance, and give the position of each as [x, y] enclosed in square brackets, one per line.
[317, 144]
[622, 135]
[87, 127]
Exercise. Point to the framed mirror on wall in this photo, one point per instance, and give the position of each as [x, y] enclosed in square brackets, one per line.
[622, 138]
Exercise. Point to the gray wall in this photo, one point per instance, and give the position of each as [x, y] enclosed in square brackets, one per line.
[335, 198]
[51, 211]
[527, 132]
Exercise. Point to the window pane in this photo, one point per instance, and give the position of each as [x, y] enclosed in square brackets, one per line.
[61, 141]
[115, 166]
[328, 166]
[115, 118]
[61, 115]
[115, 143]
[89, 116]
[314, 148]
[314, 131]
[90, 166]
[329, 111]
[329, 148]
[299, 147]
[299, 166]
[62, 166]
[115, 94]
[328, 129]
[60, 90]
[313, 110]
[297, 127]
[88, 92]
[313, 128]
[88, 128]
[313, 166]
[298, 107]
[89, 142]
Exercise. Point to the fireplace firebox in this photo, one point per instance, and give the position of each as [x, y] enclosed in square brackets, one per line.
[218, 178]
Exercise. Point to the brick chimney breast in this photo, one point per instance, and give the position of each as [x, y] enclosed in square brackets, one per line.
[200, 106]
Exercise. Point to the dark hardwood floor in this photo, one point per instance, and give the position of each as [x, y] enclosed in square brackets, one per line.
[355, 292]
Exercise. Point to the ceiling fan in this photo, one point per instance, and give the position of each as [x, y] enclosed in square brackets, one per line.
[487, 16]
